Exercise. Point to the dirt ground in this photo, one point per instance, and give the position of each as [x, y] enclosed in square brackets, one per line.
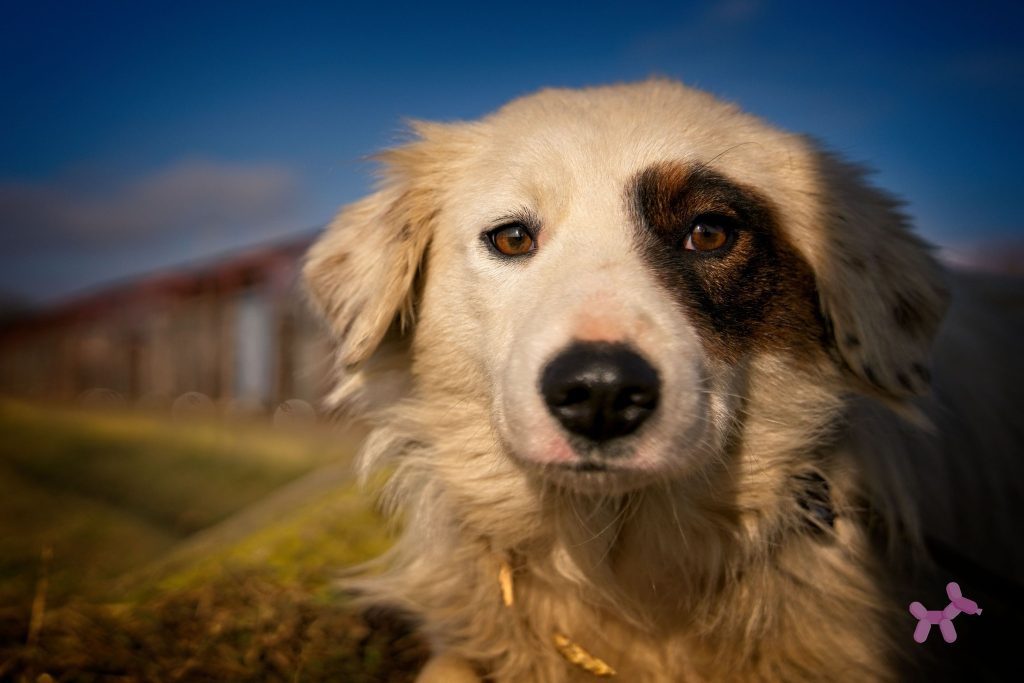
[241, 628]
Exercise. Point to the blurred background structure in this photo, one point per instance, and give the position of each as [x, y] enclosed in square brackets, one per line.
[235, 329]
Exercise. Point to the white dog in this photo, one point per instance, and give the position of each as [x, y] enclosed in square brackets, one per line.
[654, 384]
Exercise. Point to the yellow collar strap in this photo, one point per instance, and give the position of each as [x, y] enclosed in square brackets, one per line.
[572, 652]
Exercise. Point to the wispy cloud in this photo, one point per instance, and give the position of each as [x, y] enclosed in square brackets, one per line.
[1004, 257]
[81, 228]
[186, 198]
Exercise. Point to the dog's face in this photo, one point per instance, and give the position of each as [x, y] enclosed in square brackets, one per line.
[611, 273]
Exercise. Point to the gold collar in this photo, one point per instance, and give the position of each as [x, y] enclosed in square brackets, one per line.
[570, 650]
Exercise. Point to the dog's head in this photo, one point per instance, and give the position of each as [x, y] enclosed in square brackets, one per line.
[613, 273]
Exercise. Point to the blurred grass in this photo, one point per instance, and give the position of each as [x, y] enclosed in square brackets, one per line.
[308, 546]
[92, 540]
[182, 476]
[108, 492]
[185, 551]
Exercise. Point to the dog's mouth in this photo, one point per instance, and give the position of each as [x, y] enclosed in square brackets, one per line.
[592, 477]
[585, 467]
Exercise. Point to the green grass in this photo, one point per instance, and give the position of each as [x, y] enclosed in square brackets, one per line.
[307, 547]
[92, 541]
[185, 551]
[113, 492]
[182, 476]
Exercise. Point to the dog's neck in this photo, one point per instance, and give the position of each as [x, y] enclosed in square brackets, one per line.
[664, 549]
[636, 553]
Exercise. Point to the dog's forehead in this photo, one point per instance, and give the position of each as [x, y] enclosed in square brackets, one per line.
[570, 144]
[571, 159]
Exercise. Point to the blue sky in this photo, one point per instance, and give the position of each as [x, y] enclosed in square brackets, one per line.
[137, 135]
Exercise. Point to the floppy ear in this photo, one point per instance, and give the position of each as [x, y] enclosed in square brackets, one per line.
[360, 273]
[881, 290]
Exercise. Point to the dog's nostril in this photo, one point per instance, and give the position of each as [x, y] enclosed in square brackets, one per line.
[573, 395]
[636, 397]
[600, 391]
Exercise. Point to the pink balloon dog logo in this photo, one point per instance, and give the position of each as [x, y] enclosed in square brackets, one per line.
[944, 618]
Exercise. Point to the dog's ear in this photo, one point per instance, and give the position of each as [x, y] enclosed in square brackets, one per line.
[361, 272]
[882, 292]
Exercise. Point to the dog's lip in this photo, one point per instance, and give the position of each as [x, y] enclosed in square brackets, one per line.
[584, 466]
[593, 477]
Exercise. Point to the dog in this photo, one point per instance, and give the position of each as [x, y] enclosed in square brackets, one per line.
[665, 393]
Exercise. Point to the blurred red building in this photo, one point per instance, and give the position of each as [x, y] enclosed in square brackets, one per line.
[236, 329]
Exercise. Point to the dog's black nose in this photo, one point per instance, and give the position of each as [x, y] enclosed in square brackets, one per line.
[599, 390]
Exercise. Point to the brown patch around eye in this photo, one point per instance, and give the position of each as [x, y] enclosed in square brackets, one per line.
[512, 240]
[755, 290]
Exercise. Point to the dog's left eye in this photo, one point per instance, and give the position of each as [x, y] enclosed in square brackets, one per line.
[512, 240]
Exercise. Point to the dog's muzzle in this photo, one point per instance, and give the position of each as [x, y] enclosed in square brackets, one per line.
[600, 391]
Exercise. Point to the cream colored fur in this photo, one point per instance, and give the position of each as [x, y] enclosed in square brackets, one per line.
[706, 572]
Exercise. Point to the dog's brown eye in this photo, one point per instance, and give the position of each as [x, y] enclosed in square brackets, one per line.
[512, 240]
[707, 236]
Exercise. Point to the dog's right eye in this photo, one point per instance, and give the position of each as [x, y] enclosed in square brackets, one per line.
[708, 234]
[512, 240]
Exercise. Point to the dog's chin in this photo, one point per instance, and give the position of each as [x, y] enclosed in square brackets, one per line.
[593, 478]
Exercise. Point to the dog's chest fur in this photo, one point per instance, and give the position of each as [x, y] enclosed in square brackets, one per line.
[772, 618]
